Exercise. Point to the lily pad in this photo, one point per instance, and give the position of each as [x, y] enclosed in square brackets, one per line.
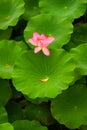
[63, 9]
[3, 115]
[6, 126]
[37, 75]
[31, 8]
[78, 37]
[80, 34]
[9, 52]
[5, 34]
[39, 112]
[28, 125]
[10, 11]
[70, 107]
[83, 127]
[37, 100]
[49, 25]
[79, 55]
[5, 90]
[14, 112]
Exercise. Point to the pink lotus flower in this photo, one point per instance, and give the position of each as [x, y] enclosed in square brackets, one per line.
[41, 42]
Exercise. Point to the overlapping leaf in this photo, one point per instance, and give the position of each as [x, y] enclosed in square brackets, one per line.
[52, 26]
[9, 52]
[37, 100]
[80, 57]
[36, 75]
[14, 112]
[5, 90]
[78, 37]
[6, 126]
[28, 125]
[3, 115]
[5, 34]
[31, 8]
[10, 11]
[63, 9]
[80, 34]
[40, 113]
[70, 108]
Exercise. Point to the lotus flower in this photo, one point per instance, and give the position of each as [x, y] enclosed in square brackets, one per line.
[41, 42]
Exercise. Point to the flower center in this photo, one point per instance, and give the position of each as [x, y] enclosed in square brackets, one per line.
[40, 42]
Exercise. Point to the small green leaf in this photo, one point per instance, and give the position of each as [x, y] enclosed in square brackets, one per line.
[28, 125]
[49, 25]
[70, 107]
[37, 75]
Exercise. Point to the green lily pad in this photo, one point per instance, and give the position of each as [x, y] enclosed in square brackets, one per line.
[6, 126]
[83, 127]
[37, 100]
[37, 75]
[9, 52]
[3, 115]
[70, 107]
[49, 25]
[14, 112]
[10, 11]
[80, 34]
[5, 34]
[63, 9]
[79, 55]
[28, 125]
[39, 112]
[5, 91]
[31, 8]
[78, 37]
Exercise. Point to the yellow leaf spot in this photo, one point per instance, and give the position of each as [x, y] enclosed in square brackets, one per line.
[7, 66]
[44, 79]
[65, 7]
